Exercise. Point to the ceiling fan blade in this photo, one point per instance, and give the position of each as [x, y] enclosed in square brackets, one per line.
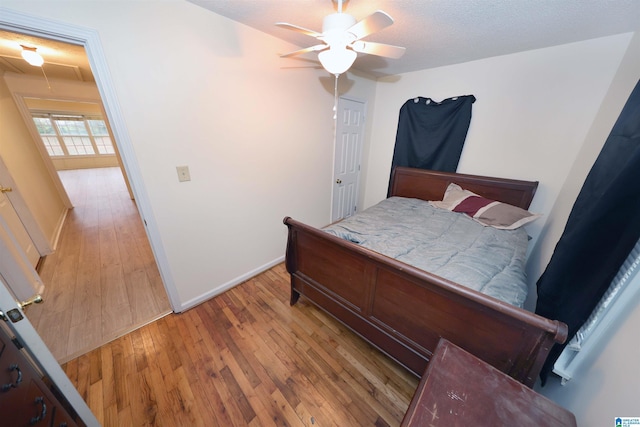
[305, 50]
[371, 24]
[298, 29]
[379, 49]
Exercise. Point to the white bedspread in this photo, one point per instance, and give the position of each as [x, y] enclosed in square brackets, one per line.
[448, 244]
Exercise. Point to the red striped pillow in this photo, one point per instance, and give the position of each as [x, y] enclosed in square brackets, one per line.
[485, 211]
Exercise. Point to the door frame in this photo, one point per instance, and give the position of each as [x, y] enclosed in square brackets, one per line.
[19, 22]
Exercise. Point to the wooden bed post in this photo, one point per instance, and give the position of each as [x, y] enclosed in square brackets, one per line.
[291, 260]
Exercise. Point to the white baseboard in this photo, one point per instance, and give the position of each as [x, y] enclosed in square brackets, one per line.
[225, 287]
[58, 230]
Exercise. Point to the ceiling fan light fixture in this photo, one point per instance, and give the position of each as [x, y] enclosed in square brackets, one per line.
[341, 39]
[338, 21]
[31, 55]
[337, 61]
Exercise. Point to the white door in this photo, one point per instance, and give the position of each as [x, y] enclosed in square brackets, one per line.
[19, 253]
[19, 325]
[13, 222]
[20, 276]
[20, 220]
[348, 153]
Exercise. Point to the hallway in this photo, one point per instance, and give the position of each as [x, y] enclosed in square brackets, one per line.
[102, 281]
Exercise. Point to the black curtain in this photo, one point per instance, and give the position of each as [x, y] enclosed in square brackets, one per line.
[431, 134]
[603, 227]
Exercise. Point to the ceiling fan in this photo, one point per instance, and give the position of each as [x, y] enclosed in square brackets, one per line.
[341, 39]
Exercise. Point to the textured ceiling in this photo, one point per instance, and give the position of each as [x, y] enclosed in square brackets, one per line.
[435, 32]
[444, 32]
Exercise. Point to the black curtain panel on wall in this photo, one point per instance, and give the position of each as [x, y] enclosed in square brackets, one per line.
[603, 227]
[431, 134]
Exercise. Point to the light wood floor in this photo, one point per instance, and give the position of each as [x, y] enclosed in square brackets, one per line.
[244, 358]
[102, 281]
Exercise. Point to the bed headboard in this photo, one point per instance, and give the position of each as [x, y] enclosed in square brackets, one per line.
[431, 185]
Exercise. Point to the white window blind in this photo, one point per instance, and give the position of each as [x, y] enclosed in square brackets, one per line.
[615, 303]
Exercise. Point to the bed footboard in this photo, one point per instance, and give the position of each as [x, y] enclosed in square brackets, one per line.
[405, 311]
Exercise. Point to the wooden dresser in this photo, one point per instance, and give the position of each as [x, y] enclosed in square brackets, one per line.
[25, 398]
[458, 389]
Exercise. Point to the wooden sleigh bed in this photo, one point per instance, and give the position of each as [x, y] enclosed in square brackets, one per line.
[403, 310]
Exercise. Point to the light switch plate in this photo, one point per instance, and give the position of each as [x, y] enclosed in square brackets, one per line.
[183, 173]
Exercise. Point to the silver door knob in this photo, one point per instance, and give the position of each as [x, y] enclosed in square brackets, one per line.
[338, 181]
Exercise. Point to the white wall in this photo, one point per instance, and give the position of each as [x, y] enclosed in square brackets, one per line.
[200, 90]
[533, 108]
[607, 385]
[532, 112]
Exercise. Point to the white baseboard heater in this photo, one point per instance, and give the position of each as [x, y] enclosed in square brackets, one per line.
[621, 297]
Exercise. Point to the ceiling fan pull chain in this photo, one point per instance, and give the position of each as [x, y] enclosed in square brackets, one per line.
[46, 78]
[335, 98]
